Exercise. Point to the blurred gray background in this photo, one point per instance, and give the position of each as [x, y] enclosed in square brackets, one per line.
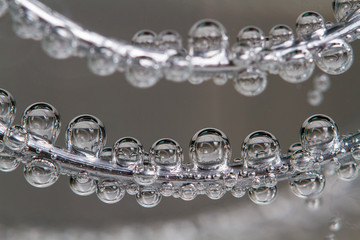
[176, 111]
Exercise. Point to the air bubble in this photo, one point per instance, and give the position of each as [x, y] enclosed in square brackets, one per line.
[167, 189]
[169, 39]
[210, 149]
[148, 197]
[251, 38]
[281, 35]
[8, 162]
[145, 38]
[7, 108]
[109, 191]
[207, 38]
[127, 152]
[144, 72]
[188, 192]
[322, 83]
[59, 43]
[301, 161]
[250, 82]
[41, 173]
[86, 134]
[298, 66]
[145, 173]
[82, 184]
[215, 191]
[348, 171]
[309, 24]
[335, 58]
[102, 61]
[16, 138]
[319, 135]
[167, 154]
[178, 68]
[261, 149]
[43, 120]
[263, 195]
[238, 191]
[307, 184]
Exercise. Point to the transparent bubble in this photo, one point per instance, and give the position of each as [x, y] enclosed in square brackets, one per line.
[298, 66]
[348, 171]
[16, 138]
[145, 174]
[167, 154]
[85, 134]
[343, 8]
[252, 38]
[313, 203]
[177, 68]
[7, 108]
[132, 189]
[27, 25]
[301, 161]
[281, 35]
[319, 135]
[144, 72]
[355, 152]
[238, 191]
[215, 191]
[295, 147]
[59, 43]
[43, 120]
[335, 224]
[8, 161]
[335, 58]
[197, 78]
[250, 82]
[230, 179]
[127, 152]
[270, 180]
[148, 197]
[82, 184]
[261, 149]
[315, 97]
[102, 61]
[167, 189]
[109, 191]
[145, 38]
[310, 23]
[306, 184]
[188, 192]
[3, 7]
[169, 39]
[41, 173]
[263, 195]
[322, 83]
[207, 38]
[220, 79]
[210, 149]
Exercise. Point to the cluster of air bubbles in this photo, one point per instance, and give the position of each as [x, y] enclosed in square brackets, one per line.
[148, 175]
[344, 8]
[321, 85]
[151, 56]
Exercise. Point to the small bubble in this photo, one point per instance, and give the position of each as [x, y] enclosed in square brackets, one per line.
[335, 224]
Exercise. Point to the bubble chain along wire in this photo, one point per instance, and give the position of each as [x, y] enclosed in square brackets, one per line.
[127, 167]
[247, 63]
[161, 172]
